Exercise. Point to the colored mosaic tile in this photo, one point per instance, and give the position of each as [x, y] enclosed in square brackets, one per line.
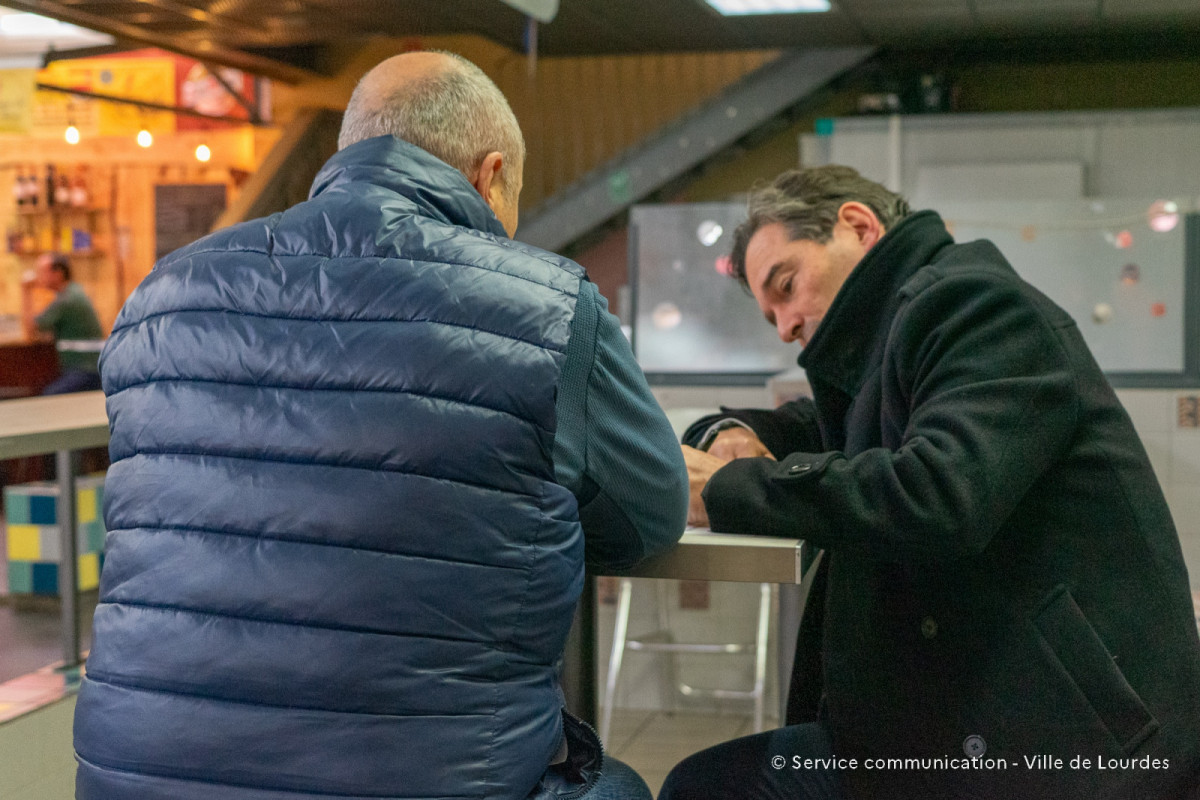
[24, 543]
[49, 547]
[34, 545]
[45, 578]
[42, 510]
[95, 537]
[88, 574]
[86, 499]
[16, 508]
[20, 577]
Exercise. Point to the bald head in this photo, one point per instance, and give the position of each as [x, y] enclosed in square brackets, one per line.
[400, 73]
[443, 104]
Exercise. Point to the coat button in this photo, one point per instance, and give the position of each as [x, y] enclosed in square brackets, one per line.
[796, 469]
[929, 627]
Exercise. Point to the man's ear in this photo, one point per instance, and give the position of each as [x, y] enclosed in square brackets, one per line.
[862, 221]
[488, 181]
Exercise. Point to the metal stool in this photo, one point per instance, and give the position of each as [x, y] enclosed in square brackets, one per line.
[663, 641]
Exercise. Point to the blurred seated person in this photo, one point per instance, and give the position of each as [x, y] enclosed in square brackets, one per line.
[68, 318]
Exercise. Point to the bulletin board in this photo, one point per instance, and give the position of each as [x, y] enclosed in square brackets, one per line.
[692, 323]
[184, 212]
[1119, 267]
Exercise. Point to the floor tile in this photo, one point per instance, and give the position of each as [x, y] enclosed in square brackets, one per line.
[663, 739]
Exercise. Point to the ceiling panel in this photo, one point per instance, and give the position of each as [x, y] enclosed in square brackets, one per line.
[283, 38]
[1166, 11]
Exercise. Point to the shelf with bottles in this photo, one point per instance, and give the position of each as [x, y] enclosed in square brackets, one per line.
[54, 190]
[69, 223]
[60, 211]
[75, 254]
[70, 241]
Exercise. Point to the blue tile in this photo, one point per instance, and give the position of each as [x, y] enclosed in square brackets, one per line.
[45, 578]
[42, 510]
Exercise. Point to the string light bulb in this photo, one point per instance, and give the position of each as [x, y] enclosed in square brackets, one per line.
[71, 135]
[144, 139]
[203, 153]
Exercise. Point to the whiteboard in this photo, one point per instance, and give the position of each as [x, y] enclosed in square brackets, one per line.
[1120, 280]
[689, 319]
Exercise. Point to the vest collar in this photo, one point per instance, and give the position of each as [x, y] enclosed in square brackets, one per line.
[438, 190]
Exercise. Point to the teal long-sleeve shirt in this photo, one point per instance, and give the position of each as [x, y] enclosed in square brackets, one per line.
[614, 448]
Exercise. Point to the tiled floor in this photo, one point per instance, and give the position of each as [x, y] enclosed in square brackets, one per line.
[31, 639]
[652, 742]
[35, 690]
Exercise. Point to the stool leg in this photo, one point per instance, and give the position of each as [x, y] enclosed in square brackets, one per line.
[620, 632]
[760, 654]
[670, 666]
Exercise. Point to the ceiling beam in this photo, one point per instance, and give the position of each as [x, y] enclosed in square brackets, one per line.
[251, 108]
[201, 50]
[130, 101]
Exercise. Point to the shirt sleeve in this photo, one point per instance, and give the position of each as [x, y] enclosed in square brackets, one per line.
[614, 448]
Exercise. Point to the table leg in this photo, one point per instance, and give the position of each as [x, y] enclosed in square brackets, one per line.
[67, 514]
[579, 658]
[787, 627]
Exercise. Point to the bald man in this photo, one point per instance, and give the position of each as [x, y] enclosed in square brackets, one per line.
[361, 453]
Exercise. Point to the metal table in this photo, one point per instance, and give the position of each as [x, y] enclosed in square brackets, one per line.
[60, 424]
[700, 555]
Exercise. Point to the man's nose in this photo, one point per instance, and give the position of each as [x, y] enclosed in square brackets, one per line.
[789, 328]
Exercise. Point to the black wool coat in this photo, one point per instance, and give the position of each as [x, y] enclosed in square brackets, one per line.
[1004, 578]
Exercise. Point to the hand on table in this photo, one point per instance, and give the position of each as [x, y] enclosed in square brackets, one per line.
[729, 444]
[700, 467]
[738, 442]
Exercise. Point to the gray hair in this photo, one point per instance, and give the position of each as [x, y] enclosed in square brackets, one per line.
[806, 202]
[458, 115]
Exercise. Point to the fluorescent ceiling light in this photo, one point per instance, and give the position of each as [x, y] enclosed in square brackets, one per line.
[21, 32]
[731, 8]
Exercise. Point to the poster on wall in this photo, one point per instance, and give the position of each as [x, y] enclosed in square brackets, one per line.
[202, 90]
[151, 76]
[149, 79]
[16, 100]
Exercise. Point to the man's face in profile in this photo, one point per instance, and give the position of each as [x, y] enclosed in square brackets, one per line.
[795, 281]
[47, 276]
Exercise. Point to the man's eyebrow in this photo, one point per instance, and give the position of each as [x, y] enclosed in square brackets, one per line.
[771, 273]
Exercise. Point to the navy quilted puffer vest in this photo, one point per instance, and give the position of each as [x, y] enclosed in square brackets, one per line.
[338, 562]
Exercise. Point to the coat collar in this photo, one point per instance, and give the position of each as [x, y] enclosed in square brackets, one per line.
[840, 352]
[436, 189]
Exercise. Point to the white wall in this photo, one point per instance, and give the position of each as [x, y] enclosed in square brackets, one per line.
[1175, 454]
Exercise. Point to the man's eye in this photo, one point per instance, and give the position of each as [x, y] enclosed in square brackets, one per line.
[786, 288]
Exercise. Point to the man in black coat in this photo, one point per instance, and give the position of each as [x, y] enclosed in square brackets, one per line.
[1004, 610]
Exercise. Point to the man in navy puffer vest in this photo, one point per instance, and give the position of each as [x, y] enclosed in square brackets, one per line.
[356, 448]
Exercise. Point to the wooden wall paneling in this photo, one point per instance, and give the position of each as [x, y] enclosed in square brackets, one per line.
[584, 100]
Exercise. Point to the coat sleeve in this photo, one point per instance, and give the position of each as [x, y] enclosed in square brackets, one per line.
[614, 448]
[976, 372]
[788, 429]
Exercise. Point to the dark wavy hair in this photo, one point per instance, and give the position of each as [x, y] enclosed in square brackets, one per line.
[807, 201]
